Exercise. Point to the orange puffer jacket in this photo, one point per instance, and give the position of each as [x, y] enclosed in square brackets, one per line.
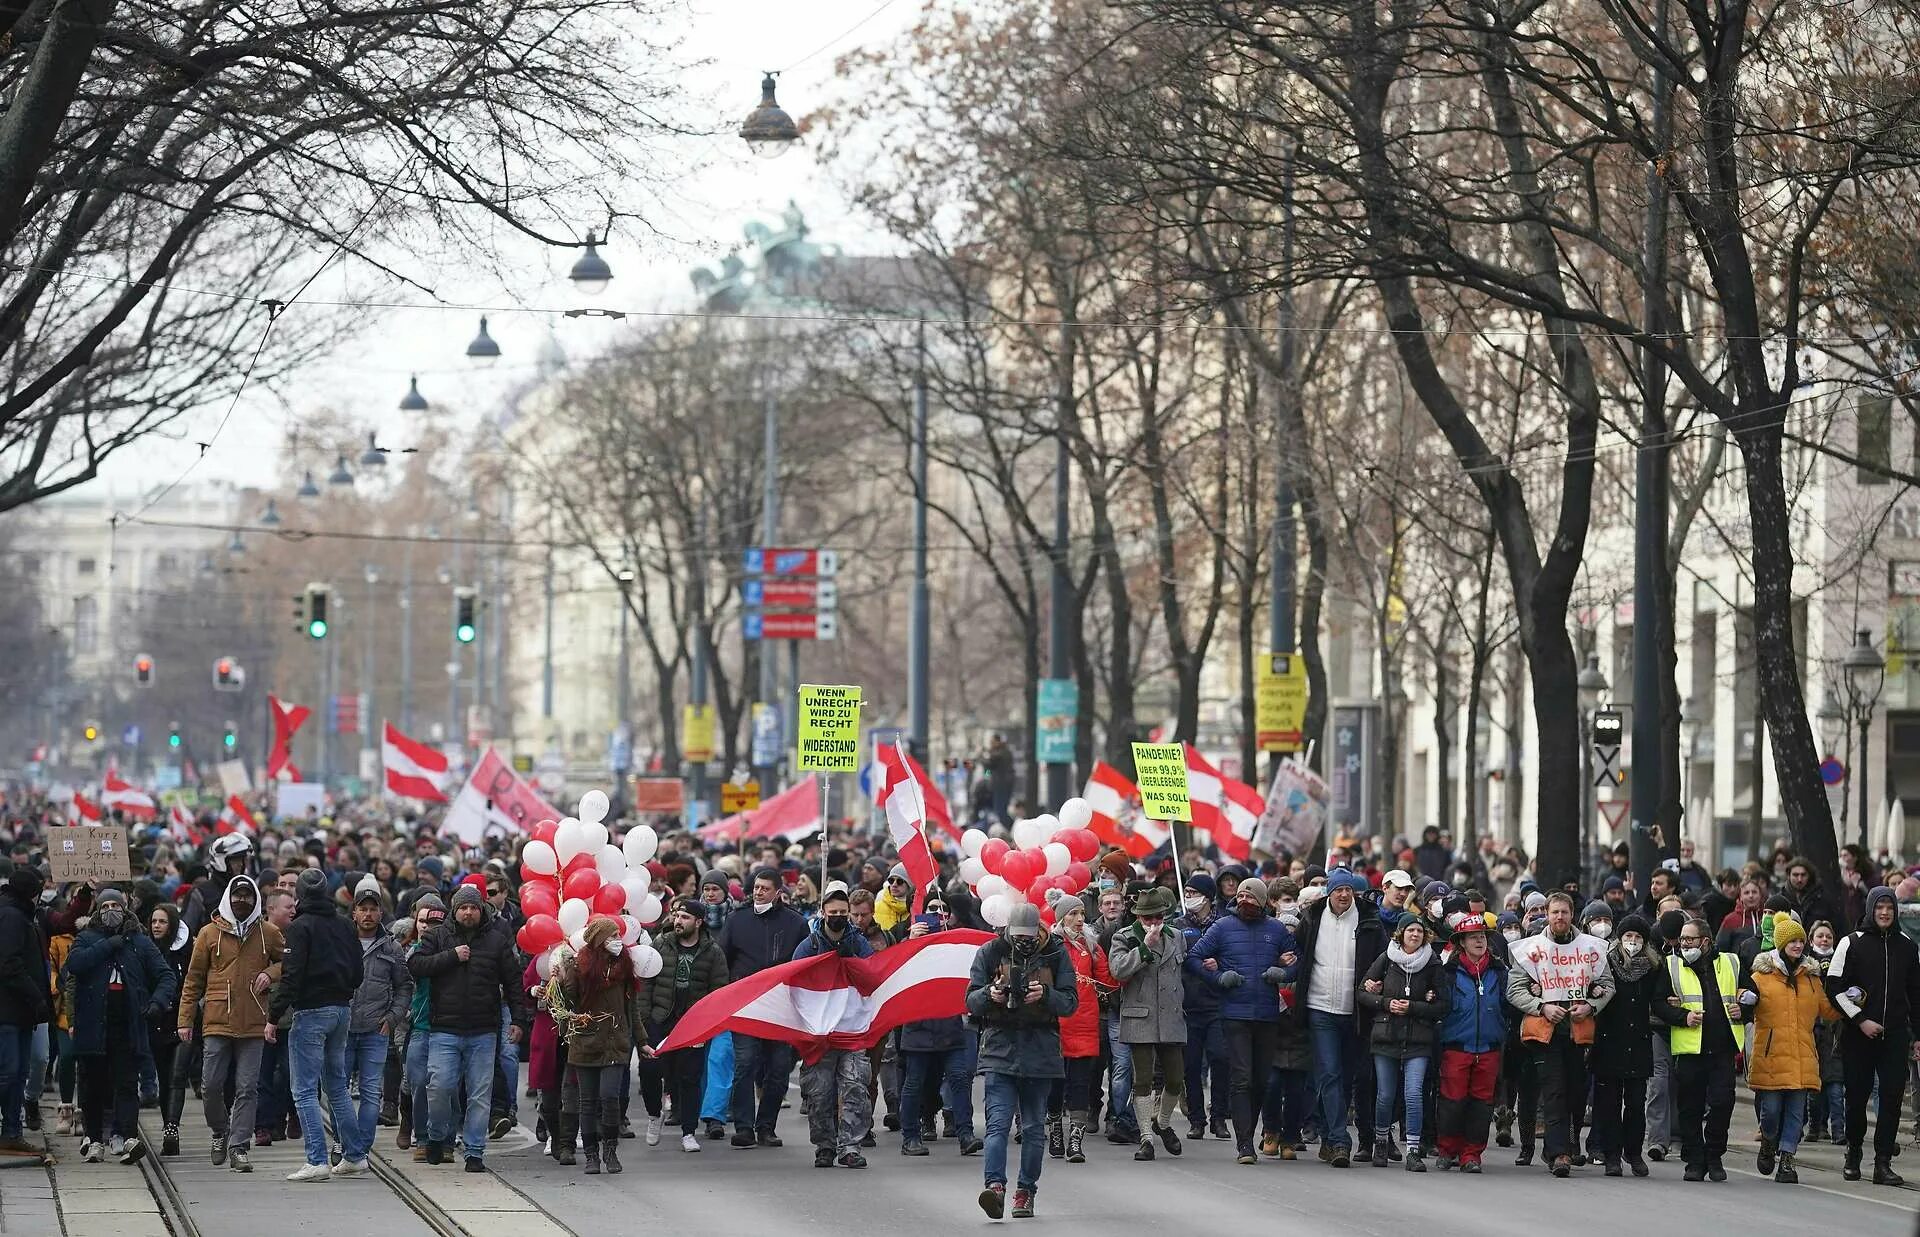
[1784, 1056]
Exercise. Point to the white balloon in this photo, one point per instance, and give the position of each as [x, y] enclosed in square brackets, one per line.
[650, 908]
[1044, 827]
[593, 835]
[971, 841]
[640, 844]
[1023, 835]
[630, 930]
[635, 885]
[593, 806]
[647, 963]
[578, 940]
[611, 863]
[996, 909]
[573, 915]
[540, 857]
[972, 870]
[1076, 813]
[1058, 857]
[569, 840]
[990, 886]
[543, 965]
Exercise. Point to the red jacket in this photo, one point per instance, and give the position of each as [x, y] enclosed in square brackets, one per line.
[1080, 1030]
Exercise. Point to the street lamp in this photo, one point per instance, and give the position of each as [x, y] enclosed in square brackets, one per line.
[413, 401]
[484, 350]
[308, 491]
[590, 272]
[1592, 684]
[1592, 688]
[1689, 735]
[1866, 674]
[768, 131]
[624, 742]
[270, 518]
[236, 546]
[341, 477]
[1832, 721]
[375, 456]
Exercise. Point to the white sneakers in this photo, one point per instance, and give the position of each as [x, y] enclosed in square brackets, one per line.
[689, 1143]
[349, 1168]
[65, 1123]
[92, 1152]
[311, 1172]
[654, 1126]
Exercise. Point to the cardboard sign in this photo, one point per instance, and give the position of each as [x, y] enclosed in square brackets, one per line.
[829, 740]
[292, 800]
[742, 798]
[90, 852]
[1160, 771]
[1280, 702]
[1296, 811]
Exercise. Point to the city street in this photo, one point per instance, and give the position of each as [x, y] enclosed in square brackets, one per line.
[778, 1190]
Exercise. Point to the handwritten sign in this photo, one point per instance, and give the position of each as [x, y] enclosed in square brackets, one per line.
[1160, 771]
[829, 740]
[89, 852]
[1565, 973]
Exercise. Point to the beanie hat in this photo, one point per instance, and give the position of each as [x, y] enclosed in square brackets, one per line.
[310, 882]
[1612, 883]
[715, 878]
[368, 890]
[1346, 878]
[1534, 900]
[1670, 925]
[1255, 888]
[1202, 884]
[1505, 920]
[1635, 922]
[1117, 865]
[431, 901]
[1408, 921]
[1786, 930]
[467, 895]
[1778, 902]
[1596, 910]
[109, 897]
[431, 866]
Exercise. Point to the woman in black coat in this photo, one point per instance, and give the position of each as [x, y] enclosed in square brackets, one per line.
[1621, 1060]
[1407, 992]
[175, 943]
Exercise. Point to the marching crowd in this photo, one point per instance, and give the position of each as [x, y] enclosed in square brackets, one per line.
[1413, 1005]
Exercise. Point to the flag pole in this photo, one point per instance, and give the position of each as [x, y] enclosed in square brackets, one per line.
[826, 791]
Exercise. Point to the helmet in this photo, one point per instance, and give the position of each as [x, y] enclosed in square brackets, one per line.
[228, 854]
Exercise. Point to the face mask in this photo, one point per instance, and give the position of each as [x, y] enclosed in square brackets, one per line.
[615, 945]
[761, 908]
[836, 923]
[110, 920]
[1512, 934]
[1630, 948]
[1024, 945]
[1248, 911]
[1193, 905]
[1690, 955]
[1823, 951]
[1600, 928]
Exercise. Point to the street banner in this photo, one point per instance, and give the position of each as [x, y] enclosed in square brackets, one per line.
[1296, 811]
[1160, 771]
[98, 853]
[829, 730]
[1280, 702]
[1056, 719]
[495, 800]
[696, 728]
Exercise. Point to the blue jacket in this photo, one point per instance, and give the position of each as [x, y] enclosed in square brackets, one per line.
[1246, 949]
[1203, 1000]
[1476, 1020]
[146, 982]
[852, 944]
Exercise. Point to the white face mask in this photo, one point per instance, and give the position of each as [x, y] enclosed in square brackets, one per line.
[1690, 956]
[1600, 928]
[1630, 948]
[1194, 905]
[1512, 934]
[615, 945]
[761, 908]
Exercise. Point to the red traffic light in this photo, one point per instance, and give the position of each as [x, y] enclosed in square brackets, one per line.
[223, 667]
[143, 670]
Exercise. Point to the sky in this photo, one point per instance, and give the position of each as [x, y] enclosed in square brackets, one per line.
[719, 187]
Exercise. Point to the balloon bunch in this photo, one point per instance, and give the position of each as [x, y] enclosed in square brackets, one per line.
[1047, 853]
[572, 873]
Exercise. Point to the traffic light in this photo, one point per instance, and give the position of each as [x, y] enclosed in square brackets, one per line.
[91, 732]
[226, 675]
[465, 628]
[143, 670]
[317, 611]
[173, 734]
[230, 737]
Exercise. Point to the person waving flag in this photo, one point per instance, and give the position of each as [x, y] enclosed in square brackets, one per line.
[906, 810]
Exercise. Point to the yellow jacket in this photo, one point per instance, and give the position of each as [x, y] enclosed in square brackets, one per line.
[889, 910]
[1784, 1055]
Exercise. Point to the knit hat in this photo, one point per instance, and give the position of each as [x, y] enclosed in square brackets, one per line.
[1635, 922]
[467, 895]
[1505, 920]
[1117, 865]
[1670, 925]
[1410, 921]
[310, 882]
[1596, 910]
[109, 897]
[1612, 883]
[431, 901]
[1346, 878]
[1202, 884]
[899, 872]
[716, 878]
[368, 890]
[1255, 888]
[1534, 901]
[1786, 929]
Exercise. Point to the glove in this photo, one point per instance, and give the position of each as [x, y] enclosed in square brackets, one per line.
[1231, 980]
[1274, 975]
[157, 1010]
[1749, 997]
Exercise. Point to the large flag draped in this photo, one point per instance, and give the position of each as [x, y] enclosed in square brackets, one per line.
[413, 769]
[906, 811]
[793, 814]
[828, 1001]
[287, 718]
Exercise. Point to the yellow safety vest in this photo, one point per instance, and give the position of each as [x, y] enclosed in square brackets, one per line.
[1685, 1041]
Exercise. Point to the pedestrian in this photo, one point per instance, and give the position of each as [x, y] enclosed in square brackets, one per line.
[836, 1085]
[1206, 1065]
[1070, 1099]
[175, 944]
[1785, 1063]
[1874, 980]
[691, 966]
[380, 1005]
[603, 999]
[1471, 1035]
[935, 1064]
[1700, 1002]
[1559, 982]
[1622, 1059]
[1146, 958]
[1827, 1107]
[428, 912]
[236, 958]
[320, 973]
[1407, 994]
[25, 999]
[716, 1097]
[1339, 941]
[119, 981]
[761, 934]
[1020, 987]
[473, 971]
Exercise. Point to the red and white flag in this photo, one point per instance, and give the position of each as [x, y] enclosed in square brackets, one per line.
[906, 809]
[235, 817]
[131, 803]
[829, 1001]
[1227, 809]
[81, 809]
[413, 769]
[287, 719]
[1117, 820]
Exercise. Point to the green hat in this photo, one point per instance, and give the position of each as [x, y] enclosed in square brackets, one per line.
[1155, 901]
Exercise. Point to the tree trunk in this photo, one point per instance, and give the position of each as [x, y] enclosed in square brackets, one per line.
[1443, 740]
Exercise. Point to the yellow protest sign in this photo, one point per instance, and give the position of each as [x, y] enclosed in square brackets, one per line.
[1280, 702]
[696, 728]
[1160, 771]
[829, 739]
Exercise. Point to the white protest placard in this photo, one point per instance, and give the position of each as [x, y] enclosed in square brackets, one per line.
[292, 799]
[1565, 973]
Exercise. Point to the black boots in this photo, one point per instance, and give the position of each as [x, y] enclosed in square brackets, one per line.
[1783, 1172]
[1076, 1143]
[1763, 1163]
[1056, 1138]
[1883, 1173]
[1503, 1127]
[1850, 1171]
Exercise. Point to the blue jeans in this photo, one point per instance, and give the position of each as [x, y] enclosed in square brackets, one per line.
[454, 1060]
[317, 1057]
[1336, 1059]
[414, 1077]
[16, 1050]
[1120, 1096]
[1827, 1111]
[1005, 1092]
[716, 1102]
[367, 1062]
[506, 1077]
[1783, 1116]
[1206, 1064]
[935, 1076]
[1286, 1108]
[1390, 1078]
[37, 1062]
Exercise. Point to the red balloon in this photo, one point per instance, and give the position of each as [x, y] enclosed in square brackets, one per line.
[1080, 843]
[1038, 859]
[611, 900]
[579, 863]
[539, 898]
[1016, 870]
[1046, 915]
[540, 933]
[582, 884]
[1038, 896]
[992, 853]
[528, 876]
[1078, 876]
[544, 830]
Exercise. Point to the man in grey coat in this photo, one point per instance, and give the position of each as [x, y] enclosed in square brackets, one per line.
[1146, 960]
[380, 1007]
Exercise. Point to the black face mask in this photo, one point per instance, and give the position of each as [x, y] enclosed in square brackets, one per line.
[1024, 945]
[836, 923]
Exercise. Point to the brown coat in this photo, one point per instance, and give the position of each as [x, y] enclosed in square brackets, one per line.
[606, 1036]
[222, 972]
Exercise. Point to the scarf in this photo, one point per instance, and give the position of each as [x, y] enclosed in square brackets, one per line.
[1630, 969]
[1411, 963]
[1475, 968]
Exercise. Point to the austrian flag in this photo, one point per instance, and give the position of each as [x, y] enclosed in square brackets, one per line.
[906, 810]
[413, 769]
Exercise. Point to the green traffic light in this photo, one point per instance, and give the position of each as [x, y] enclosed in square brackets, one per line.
[317, 629]
[173, 740]
[229, 739]
[464, 633]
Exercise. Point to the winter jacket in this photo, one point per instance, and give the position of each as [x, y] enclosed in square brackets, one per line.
[222, 971]
[386, 985]
[1248, 950]
[1813, 904]
[175, 952]
[852, 944]
[1476, 1019]
[613, 1012]
[25, 992]
[1202, 998]
[466, 996]
[1783, 1056]
[322, 966]
[1409, 1035]
[1721, 1009]
[1152, 995]
[687, 973]
[753, 942]
[1369, 943]
[124, 967]
[543, 1039]
[1885, 968]
[935, 1034]
[1080, 1030]
[1023, 1042]
[1624, 1027]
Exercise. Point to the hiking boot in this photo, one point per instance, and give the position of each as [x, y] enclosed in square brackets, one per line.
[1270, 1145]
[1850, 1170]
[219, 1151]
[592, 1158]
[1763, 1163]
[1503, 1126]
[170, 1141]
[239, 1162]
[1637, 1165]
[610, 1154]
[1168, 1139]
[1023, 1202]
[1146, 1150]
[914, 1147]
[1883, 1173]
[1441, 1163]
[1289, 1152]
[714, 1131]
[1342, 1158]
[436, 1153]
[1716, 1171]
[993, 1201]
[823, 1157]
[852, 1159]
[1056, 1139]
[419, 1153]
[1783, 1171]
[1415, 1163]
[1380, 1159]
[971, 1145]
[1076, 1144]
[1393, 1151]
[1562, 1166]
[1470, 1166]
[744, 1139]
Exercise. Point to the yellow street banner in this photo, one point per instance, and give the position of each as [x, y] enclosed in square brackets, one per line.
[744, 797]
[1160, 771]
[829, 740]
[696, 730]
[1280, 702]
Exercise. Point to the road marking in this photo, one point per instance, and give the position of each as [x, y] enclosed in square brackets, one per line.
[1858, 1198]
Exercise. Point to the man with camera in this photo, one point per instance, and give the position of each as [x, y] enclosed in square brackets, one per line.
[1021, 986]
